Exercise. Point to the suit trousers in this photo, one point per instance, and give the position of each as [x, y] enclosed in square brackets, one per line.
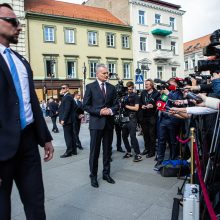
[148, 125]
[25, 169]
[76, 129]
[69, 138]
[54, 121]
[105, 137]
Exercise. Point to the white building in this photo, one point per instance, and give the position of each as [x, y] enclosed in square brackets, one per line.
[157, 34]
[193, 51]
[18, 6]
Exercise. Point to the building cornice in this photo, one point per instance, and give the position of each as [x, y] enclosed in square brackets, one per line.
[157, 7]
[76, 21]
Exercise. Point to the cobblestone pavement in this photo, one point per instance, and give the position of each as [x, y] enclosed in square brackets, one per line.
[139, 192]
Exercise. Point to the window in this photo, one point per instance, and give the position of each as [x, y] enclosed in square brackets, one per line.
[49, 34]
[125, 41]
[127, 70]
[193, 63]
[50, 68]
[110, 40]
[143, 44]
[159, 72]
[71, 69]
[141, 17]
[158, 44]
[173, 47]
[92, 38]
[173, 71]
[69, 36]
[157, 18]
[112, 67]
[92, 69]
[172, 23]
[186, 65]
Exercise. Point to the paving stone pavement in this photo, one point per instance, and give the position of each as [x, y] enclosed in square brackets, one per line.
[139, 193]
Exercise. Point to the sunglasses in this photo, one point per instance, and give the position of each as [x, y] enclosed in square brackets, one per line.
[13, 21]
[63, 87]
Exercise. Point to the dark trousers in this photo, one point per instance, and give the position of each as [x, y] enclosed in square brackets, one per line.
[130, 129]
[69, 138]
[148, 126]
[118, 131]
[25, 169]
[105, 137]
[76, 129]
[167, 133]
[54, 121]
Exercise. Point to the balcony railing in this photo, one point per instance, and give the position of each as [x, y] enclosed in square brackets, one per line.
[163, 54]
[161, 29]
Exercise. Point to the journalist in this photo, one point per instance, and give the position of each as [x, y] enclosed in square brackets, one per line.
[169, 127]
[131, 106]
[148, 117]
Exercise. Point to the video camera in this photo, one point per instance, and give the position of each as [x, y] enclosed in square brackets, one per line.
[211, 50]
[165, 84]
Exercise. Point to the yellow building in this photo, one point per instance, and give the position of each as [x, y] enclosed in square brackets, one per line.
[66, 39]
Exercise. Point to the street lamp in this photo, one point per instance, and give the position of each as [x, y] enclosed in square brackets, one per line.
[84, 77]
[52, 72]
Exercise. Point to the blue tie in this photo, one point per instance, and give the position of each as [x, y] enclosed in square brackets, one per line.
[14, 74]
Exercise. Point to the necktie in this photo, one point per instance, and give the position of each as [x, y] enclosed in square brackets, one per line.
[103, 88]
[14, 74]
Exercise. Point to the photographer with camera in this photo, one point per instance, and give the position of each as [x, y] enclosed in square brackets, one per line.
[148, 117]
[131, 106]
[169, 126]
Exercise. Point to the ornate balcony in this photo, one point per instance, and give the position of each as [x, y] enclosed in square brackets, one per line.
[161, 29]
[163, 54]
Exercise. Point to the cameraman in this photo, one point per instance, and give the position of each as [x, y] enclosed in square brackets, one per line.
[148, 118]
[131, 106]
[169, 127]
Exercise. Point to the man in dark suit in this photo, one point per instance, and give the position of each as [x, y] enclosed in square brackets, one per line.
[22, 126]
[100, 102]
[67, 116]
[53, 108]
[79, 116]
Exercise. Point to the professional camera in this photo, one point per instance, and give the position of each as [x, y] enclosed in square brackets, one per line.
[200, 79]
[211, 50]
[165, 84]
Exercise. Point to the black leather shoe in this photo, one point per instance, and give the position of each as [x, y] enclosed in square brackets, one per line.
[94, 182]
[145, 152]
[150, 155]
[120, 150]
[74, 153]
[80, 147]
[66, 155]
[108, 179]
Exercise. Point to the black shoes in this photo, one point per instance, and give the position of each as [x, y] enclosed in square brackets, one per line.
[120, 150]
[66, 155]
[145, 152]
[158, 166]
[80, 147]
[150, 155]
[127, 155]
[108, 179]
[137, 158]
[94, 182]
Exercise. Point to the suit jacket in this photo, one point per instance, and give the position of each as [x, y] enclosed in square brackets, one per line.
[79, 110]
[67, 110]
[94, 101]
[10, 129]
[53, 107]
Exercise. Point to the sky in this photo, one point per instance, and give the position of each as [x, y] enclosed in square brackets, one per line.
[201, 17]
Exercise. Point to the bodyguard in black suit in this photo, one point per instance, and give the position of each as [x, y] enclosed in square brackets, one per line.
[53, 108]
[100, 102]
[67, 116]
[22, 126]
[79, 116]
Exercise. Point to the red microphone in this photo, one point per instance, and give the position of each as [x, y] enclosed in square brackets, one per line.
[171, 88]
[161, 105]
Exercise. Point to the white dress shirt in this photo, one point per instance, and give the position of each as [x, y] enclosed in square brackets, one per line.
[100, 85]
[23, 78]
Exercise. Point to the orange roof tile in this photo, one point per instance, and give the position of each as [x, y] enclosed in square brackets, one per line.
[196, 44]
[65, 9]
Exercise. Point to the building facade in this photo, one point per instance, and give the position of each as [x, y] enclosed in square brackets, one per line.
[193, 51]
[157, 34]
[18, 6]
[65, 47]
